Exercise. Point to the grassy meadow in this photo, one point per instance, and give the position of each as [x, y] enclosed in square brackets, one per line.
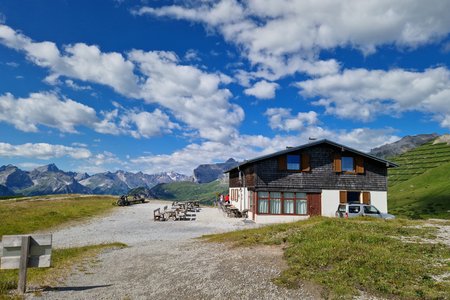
[420, 187]
[346, 256]
[38, 213]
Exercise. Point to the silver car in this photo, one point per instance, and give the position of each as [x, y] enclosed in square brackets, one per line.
[350, 210]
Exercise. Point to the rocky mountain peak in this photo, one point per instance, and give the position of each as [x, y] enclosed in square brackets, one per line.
[210, 172]
[406, 143]
[47, 168]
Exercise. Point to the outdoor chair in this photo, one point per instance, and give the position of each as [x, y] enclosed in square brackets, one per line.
[157, 216]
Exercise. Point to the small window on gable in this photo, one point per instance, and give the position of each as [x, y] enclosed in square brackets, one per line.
[293, 162]
[348, 164]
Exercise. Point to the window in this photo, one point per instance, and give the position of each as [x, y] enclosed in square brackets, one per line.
[293, 162]
[353, 197]
[263, 202]
[348, 164]
[371, 210]
[301, 203]
[275, 203]
[353, 209]
[289, 202]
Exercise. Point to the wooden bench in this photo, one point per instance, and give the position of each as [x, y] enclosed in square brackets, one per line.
[157, 215]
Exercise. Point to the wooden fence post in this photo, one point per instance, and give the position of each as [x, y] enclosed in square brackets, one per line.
[24, 251]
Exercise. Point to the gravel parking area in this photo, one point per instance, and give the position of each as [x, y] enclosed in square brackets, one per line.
[164, 261]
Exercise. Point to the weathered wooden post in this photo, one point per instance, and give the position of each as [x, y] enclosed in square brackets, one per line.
[23, 263]
[26, 251]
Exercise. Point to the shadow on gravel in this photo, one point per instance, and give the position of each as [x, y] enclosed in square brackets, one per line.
[75, 288]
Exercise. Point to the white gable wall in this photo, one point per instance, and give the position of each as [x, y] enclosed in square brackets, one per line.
[379, 200]
[330, 202]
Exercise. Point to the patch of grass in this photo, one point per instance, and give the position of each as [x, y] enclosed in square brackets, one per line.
[63, 260]
[348, 256]
[11, 197]
[19, 217]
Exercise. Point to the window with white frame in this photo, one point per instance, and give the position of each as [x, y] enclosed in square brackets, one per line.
[287, 203]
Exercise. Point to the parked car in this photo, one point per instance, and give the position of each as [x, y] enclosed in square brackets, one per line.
[350, 210]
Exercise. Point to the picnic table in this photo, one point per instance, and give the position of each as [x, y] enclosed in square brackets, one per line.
[170, 213]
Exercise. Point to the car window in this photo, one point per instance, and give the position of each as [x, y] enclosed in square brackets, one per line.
[370, 210]
[341, 208]
[353, 209]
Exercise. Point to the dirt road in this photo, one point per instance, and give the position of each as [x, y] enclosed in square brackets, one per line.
[164, 261]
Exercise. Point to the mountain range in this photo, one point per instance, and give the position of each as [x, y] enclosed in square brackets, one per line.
[50, 179]
[403, 145]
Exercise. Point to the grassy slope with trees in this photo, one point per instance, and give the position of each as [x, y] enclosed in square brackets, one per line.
[420, 187]
[184, 191]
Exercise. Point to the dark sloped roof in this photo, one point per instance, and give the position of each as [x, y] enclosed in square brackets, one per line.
[305, 146]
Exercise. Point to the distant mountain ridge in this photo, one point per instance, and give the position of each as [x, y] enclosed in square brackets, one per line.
[49, 179]
[403, 145]
[210, 172]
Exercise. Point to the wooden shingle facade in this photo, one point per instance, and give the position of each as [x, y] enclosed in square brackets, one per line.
[297, 180]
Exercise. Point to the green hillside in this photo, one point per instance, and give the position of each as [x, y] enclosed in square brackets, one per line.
[418, 161]
[420, 187]
[184, 191]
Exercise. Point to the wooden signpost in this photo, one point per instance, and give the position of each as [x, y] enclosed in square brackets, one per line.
[26, 251]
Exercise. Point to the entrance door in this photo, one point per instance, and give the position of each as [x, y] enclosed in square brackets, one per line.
[314, 204]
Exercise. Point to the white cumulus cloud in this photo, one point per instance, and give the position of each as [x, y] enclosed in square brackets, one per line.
[78, 61]
[193, 96]
[43, 151]
[262, 90]
[363, 94]
[282, 119]
[45, 109]
[65, 115]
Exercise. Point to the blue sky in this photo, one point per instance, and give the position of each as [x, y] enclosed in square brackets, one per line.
[166, 85]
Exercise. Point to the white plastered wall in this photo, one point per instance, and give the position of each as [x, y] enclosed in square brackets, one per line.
[379, 200]
[265, 219]
[330, 202]
[242, 200]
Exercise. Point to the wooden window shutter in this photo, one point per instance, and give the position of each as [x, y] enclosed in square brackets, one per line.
[306, 167]
[282, 166]
[337, 163]
[359, 165]
[366, 197]
[343, 197]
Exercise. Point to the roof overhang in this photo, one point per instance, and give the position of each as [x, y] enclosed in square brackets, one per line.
[309, 145]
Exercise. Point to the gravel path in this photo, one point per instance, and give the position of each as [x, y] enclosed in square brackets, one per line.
[164, 261]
